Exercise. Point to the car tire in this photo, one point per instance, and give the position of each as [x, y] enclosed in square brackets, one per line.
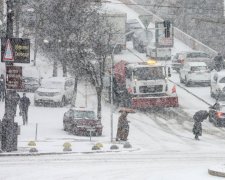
[181, 80]
[216, 124]
[63, 102]
[186, 82]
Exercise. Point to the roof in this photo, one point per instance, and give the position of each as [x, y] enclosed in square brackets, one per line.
[196, 63]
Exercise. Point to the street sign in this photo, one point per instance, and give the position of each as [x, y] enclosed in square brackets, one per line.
[13, 77]
[15, 50]
[160, 39]
[8, 55]
[146, 19]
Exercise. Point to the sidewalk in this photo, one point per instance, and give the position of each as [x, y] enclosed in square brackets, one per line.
[53, 147]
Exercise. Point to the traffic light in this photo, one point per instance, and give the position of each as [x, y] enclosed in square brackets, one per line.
[166, 24]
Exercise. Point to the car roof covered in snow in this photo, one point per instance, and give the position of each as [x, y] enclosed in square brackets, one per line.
[57, 79]
[196, 63]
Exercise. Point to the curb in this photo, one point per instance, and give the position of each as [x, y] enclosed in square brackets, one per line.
[216, 173]
[63, 153]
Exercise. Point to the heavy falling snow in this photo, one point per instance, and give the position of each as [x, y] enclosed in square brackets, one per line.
[163, 145]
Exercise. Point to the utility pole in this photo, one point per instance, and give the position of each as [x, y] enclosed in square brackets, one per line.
[9, 127]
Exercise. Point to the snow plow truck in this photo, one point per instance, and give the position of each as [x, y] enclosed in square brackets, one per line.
[142, 85]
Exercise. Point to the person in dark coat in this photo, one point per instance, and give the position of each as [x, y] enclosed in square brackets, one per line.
[24, 105]
[218, 62]
[123, 127]
[2, 87]
[199, 117]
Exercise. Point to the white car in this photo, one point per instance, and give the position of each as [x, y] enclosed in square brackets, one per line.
[54, 91]
[217, 89]
[194, 72]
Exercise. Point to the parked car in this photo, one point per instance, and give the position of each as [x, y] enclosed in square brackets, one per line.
[132, 25]
[30, 84]
[195, 72]
[191, 56]
[176, 63]
[141, 39]
[80, 121]
[55, 91]
[217, 114]
[217, 87]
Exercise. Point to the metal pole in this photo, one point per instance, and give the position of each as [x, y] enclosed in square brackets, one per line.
[111, 101]
[86, 92]
[9, 142]
[36, 131]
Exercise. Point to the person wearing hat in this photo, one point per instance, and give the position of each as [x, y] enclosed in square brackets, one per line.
[24, 104]
[122, 127]
[218, 62]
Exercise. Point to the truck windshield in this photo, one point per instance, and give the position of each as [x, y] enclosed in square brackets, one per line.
[149, 73]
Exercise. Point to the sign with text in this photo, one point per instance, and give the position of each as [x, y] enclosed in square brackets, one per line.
[13, 77]
[160, 38]
[15, 50]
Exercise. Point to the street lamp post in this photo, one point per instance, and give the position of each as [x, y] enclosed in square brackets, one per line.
[111, 84]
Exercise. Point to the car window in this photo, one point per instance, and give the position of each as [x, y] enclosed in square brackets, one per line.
[198, 68]
[222, 80]
[84, 114]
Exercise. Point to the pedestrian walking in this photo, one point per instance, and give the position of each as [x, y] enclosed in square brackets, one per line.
[2, 88]
[199, 117]
[122, 127]
[24, 105]
[218, 62]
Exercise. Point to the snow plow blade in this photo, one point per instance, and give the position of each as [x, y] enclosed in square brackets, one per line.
[149, 102]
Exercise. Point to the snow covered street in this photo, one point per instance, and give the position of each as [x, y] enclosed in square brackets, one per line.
[163, 145]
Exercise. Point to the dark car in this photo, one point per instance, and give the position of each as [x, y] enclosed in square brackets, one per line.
[81, 121]
[217, 114]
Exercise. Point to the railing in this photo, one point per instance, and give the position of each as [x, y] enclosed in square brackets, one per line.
[178, 34]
